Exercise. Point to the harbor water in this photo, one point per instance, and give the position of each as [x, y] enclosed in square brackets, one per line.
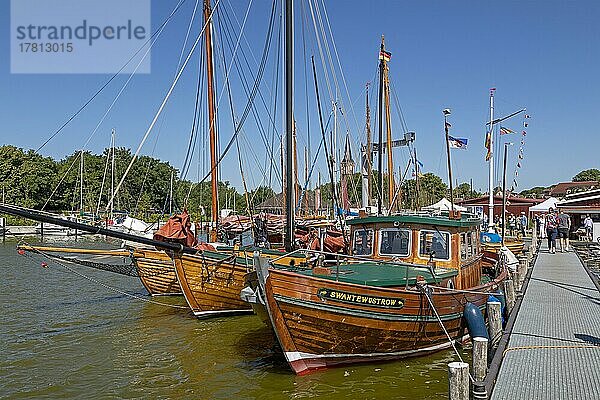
[86, 333]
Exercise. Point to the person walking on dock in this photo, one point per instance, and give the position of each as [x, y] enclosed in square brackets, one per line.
[588, 224]
[551, 230]
[564, 225]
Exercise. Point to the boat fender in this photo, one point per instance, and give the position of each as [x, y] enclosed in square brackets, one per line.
[475, 321]
[450, 284]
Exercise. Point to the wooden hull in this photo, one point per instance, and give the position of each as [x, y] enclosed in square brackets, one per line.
[157, 272]
[316, 330]
[211, 283]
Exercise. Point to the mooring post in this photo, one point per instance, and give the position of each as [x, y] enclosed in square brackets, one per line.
[3, 220]
[41, 231]
[494, 312]
[458, 381]
[509, 292]
[480, 353]
[522, 268]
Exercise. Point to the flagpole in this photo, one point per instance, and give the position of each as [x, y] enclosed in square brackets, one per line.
[446, 112]
[491, 166]
[504, 191]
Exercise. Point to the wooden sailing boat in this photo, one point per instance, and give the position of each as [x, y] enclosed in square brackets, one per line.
[408, 300]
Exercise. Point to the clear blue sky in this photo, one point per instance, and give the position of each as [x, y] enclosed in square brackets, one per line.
[542, 55]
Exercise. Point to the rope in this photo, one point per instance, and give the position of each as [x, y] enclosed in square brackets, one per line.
[550, 347]
[424, 291]
[117, 290]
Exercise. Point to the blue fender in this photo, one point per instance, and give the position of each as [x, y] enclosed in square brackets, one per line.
[475, 321]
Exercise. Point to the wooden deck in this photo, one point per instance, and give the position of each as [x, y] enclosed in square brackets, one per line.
[554, 349]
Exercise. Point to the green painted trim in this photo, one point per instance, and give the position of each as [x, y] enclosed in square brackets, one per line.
[426, 220]
[380, 315]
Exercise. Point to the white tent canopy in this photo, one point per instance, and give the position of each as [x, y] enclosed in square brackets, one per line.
[443, 205]
[545, 205]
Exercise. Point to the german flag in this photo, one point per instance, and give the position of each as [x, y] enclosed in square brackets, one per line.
[385, 55]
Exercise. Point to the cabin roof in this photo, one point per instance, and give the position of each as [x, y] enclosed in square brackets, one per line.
[426, 220]
[383, 275]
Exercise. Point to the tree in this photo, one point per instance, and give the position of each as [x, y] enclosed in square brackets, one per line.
[587, 175]
[534, 192]
[431, 189]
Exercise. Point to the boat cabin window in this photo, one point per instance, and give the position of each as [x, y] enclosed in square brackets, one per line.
[471, 244]
[394, 242]
[363, 242]
[434, 243]
[464, 245]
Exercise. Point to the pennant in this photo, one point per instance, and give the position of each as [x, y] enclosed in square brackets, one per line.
[516, 173]
[520, 156]
[525, 124]
[505, 131]
[385, 55]
[519, 164]
[488, 145]
[420, 163]
[448, 125]
[524, 133]
[527, 116]
[457, 143]
[515, 183]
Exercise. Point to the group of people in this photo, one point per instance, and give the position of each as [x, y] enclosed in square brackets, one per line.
[555, 225]
[516, 225]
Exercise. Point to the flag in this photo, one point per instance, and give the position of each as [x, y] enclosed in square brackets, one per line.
[519, 164]
[505, 131]
[520, 156]
[527, 116]
[448, 125]
[420, 163]
[524, 133]
[457, 143]
[385, 55]
[488, 145]
[525, 124]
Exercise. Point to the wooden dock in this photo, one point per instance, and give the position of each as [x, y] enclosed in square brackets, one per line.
[554, 349]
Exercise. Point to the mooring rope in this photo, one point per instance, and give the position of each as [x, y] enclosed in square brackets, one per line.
[424, 291]
[106, 286]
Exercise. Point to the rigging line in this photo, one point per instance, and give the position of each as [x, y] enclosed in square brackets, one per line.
[331, 173]
[112, 77]
[275, 102]
[129, 78]
[254, 110]
[245, 85]
[250, 100]
[398, 106]
[193, 130]
[232, 109]
[192, 142]
[245, 58]
[164, 102]
[104, 177]
[303, 14]
[340, 66]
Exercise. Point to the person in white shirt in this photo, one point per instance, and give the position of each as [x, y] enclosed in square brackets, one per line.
[588, 224]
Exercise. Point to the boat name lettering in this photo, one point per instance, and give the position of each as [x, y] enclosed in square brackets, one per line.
[359, 299]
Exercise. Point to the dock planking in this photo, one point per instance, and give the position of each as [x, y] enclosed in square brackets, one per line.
[554, 348]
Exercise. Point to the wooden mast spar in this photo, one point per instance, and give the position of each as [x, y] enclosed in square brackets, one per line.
[214, 175]
[388, 124]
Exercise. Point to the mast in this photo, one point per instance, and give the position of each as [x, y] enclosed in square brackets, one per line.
[171, 195]
[295, 154]
[446, 126]
[81, 185]
[210, 80]
[112, 172]
[380, 147]
[367, 163]
[289, 120]
[491, 162]
[388, 124]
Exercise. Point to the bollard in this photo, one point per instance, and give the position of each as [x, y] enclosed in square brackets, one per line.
[494, 312]
[458, 381]
[522, 268]
[516, 279]
[479, 391]
[509, 292]
[480, 352]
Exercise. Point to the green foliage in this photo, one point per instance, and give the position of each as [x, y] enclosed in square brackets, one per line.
[534, 192]
[430, 189]
[587, 175]
[28, 179]
[464, 191]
